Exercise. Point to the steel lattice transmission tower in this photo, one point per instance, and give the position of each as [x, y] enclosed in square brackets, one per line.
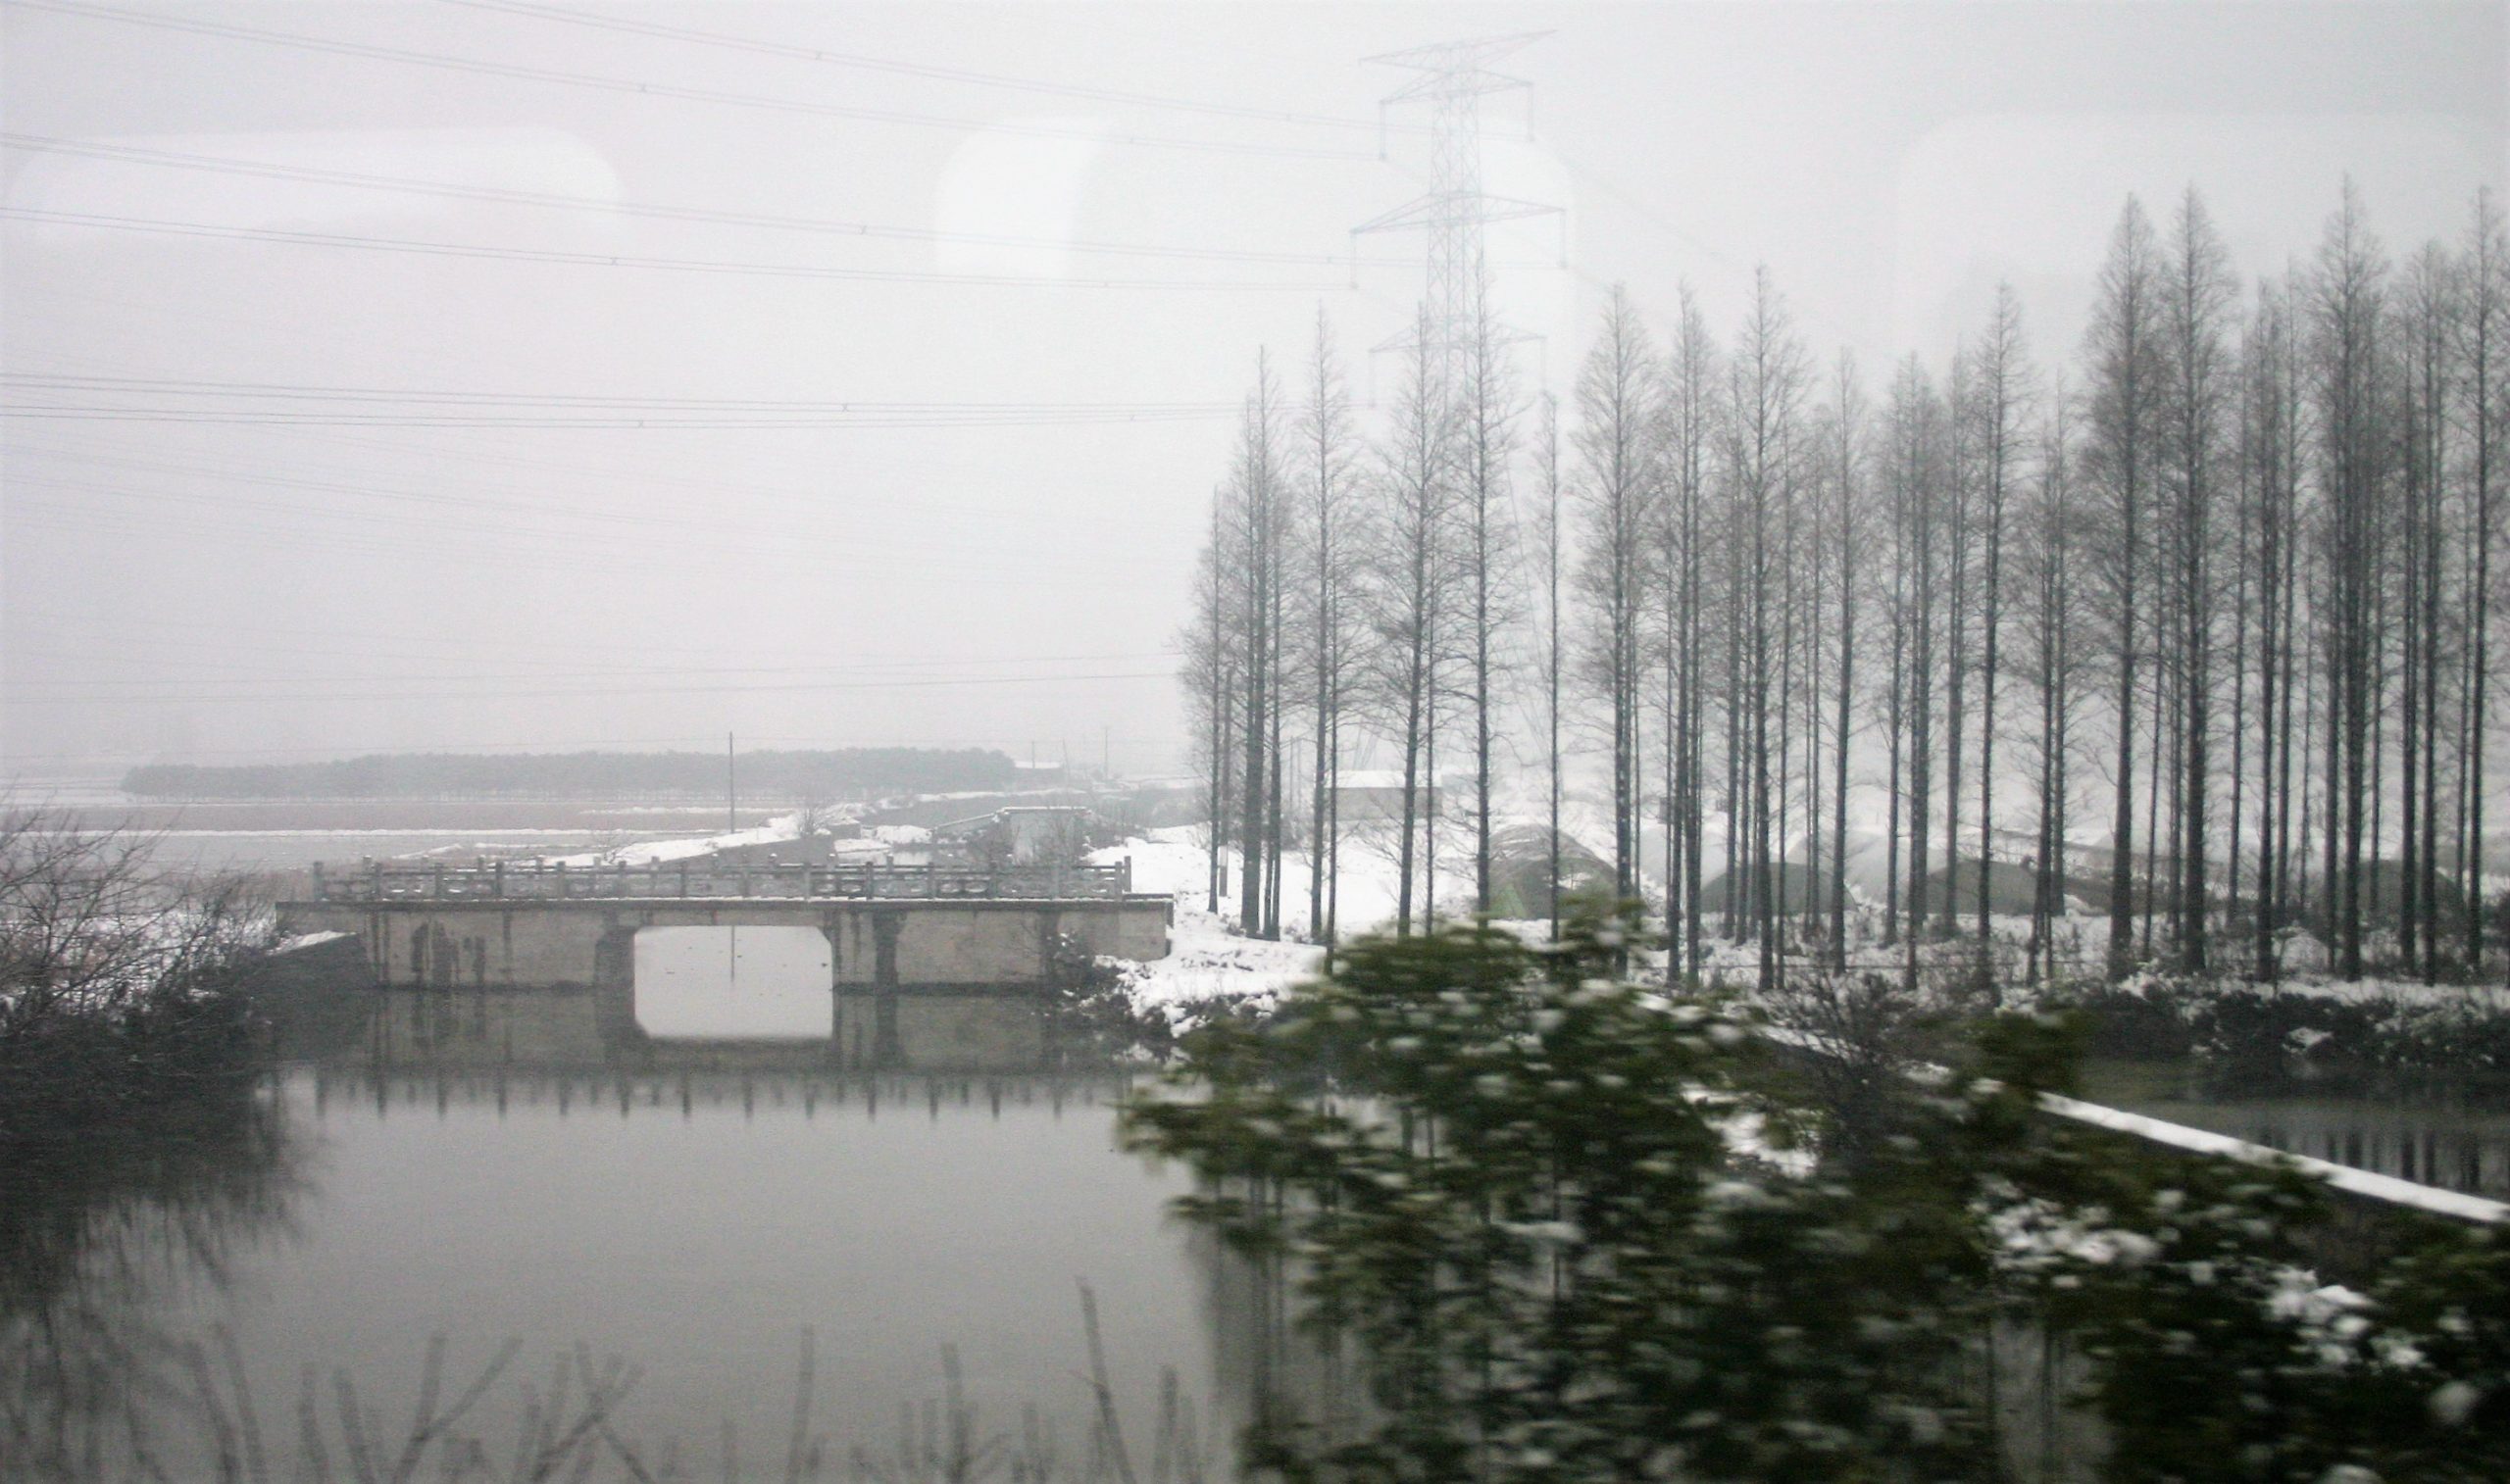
[1452, 77]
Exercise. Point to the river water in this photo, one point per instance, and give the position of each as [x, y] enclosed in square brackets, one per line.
[2447, 1139]
[693, 1210]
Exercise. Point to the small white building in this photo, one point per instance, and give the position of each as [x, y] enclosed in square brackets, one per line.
[1024, 834]
[1363, 794]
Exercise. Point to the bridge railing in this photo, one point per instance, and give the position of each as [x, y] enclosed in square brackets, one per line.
[537, 881]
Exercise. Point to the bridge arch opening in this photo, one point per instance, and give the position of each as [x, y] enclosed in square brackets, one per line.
[733, 983]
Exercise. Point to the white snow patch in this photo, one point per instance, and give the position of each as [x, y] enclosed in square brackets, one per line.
[775, 832]
[1207, 959]
[305, 939]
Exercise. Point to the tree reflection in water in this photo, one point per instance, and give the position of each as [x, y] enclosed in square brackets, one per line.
[102, 1234]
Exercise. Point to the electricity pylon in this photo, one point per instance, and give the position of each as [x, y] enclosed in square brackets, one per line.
[1453, 77]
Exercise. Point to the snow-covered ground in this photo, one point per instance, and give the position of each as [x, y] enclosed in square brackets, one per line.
[304, 941]
[1207, 961]
[650, 851]
[1210, 962]
[2491, 998]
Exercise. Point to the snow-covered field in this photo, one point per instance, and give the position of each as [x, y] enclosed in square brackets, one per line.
[1210, 962]
[650, 851]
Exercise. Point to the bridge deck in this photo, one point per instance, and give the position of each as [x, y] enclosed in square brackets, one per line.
[535, 881]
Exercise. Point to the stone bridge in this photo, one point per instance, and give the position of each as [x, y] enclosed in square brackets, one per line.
[889, 928]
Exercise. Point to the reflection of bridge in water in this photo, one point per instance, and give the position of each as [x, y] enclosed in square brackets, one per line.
[594, 1033]
[684, 1092]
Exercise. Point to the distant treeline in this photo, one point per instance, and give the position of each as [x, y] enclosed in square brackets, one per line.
[841, 774]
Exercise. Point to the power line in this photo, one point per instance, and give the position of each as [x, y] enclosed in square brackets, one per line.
[301, 390]
[500, 409]
[251, 674]
[856, 667]
[176, 159]
[126, 622]
[659, 543]
[101, 753]
[264, 697]
[804, 53]
[532, 504]
[287, 419]
[323, 392]
[827, 673]
[664, 89]
[422, 749]
[883, 530]
[627, 260]
[365, 536]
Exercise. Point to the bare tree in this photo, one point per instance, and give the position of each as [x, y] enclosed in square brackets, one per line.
[1554, 650]
[2348, 300]
[2271, 411]
[1408, 586]
[1913, 473]
[1767, 379]
[1691, 412]
[1210, 676]
[2484, 318]
[1846, 476]
[1486, 427]
[1957, 538]
[2427, 311]
[1259, 526]
[2053, 531]
[1329, 451]
[1617, 494]
[2000, 397]
[94, 931]
[2124, 347]
[2195, 311]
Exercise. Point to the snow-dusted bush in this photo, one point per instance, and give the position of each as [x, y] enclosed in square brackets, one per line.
[2250, 1037]
[1507, 1176]
[116, 981]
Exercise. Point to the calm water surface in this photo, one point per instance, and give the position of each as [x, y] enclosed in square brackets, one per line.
[691, 1210]
[2454, 1141]
[694, 1198]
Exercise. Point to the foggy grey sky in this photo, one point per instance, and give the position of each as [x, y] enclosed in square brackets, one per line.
[232, 565]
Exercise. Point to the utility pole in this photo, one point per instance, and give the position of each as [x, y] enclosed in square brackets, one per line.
[732, 790]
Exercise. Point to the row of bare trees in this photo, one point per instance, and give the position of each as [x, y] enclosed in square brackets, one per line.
[1877, 669]
[1347, 581]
